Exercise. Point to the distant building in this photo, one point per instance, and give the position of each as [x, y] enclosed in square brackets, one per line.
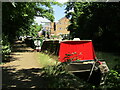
[58, 28]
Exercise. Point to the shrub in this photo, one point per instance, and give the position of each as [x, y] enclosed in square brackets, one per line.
[113, 80]
[6, 47]
[59, 77]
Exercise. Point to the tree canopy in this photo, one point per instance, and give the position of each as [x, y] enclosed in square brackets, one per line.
[97, 21]
[17, 17]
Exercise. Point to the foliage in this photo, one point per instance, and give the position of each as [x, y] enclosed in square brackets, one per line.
[57, 75]
[54, 36]
[112, 81]
[72, 57]
[18, 17]
[6, 49]
[34, 29]
[96, 21]
[55, 70]
[46, 60]
[60, 78]
[111, 58]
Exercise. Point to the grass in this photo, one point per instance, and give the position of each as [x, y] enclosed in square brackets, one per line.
[111, 58]
[59, 78]
[47, 60]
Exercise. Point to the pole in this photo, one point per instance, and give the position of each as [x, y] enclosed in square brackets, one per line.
[92, 68]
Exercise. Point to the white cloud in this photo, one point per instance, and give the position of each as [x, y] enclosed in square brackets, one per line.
[40, 20]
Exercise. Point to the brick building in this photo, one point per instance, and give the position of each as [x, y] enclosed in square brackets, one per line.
[58, 28]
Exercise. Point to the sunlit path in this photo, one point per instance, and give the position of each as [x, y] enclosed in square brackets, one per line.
[23, 69]
[23, 57]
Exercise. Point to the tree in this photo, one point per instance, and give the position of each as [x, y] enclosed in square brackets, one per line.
[17, 18]
[96, 21]
[20, 16]
[34, 29]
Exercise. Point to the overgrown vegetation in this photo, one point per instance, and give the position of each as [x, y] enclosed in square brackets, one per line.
[113, 80]
[97, 21]
[60, 78]
[18, 18]
[112, 58]
[6, 49]
[46, 60]
[100, 23]
[33, 31]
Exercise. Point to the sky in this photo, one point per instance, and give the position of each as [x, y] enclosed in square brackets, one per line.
[58, 14]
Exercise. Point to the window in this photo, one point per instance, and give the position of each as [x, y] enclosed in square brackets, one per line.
[60, 28]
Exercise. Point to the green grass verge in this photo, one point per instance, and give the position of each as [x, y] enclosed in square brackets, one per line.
[111, 58]
[46, 60]
[58, 77]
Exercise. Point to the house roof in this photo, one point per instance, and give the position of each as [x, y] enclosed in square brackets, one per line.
[62, 18]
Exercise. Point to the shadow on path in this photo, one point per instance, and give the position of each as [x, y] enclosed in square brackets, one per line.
[25, 78]
[20, 46]
[30, 77]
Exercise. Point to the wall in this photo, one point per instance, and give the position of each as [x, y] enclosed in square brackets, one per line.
[60, 27]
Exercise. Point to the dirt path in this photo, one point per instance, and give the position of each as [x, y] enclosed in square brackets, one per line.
[24, 57]
[23, 70]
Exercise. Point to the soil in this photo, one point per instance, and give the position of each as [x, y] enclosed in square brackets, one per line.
[23, 57]
[23, 69]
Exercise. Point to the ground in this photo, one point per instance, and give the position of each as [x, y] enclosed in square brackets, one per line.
[23, 69]
[24, 57]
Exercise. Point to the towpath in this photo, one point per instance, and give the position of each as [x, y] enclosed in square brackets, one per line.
[23, 57]
[23, 69]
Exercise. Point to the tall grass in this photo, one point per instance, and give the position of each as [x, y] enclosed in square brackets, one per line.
[58, 77]
[112, 58]
[47, 60]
